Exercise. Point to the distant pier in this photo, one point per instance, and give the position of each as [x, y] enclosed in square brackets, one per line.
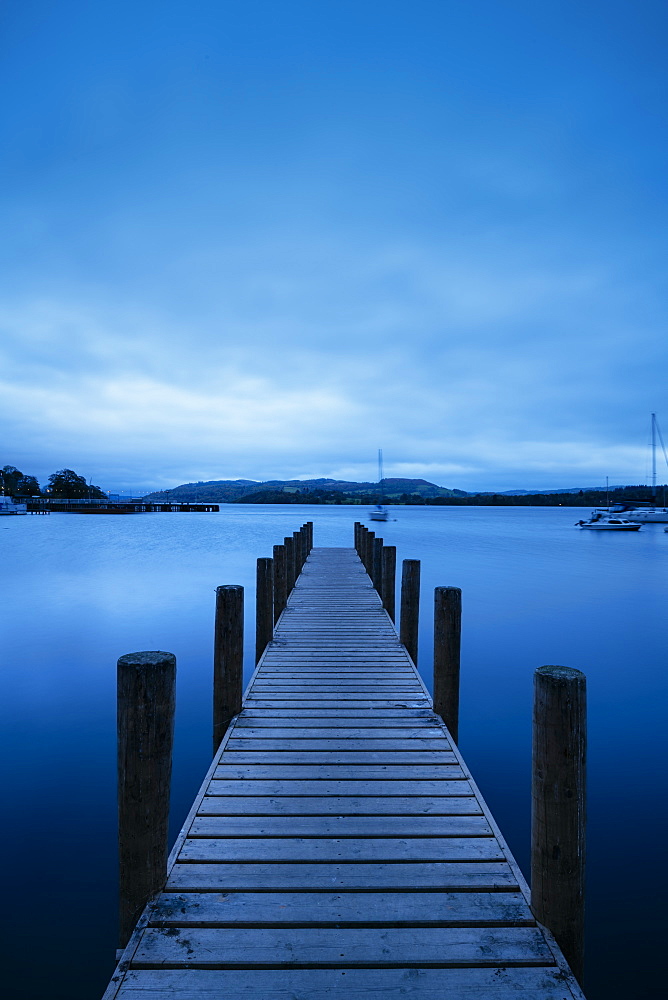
[117, 507]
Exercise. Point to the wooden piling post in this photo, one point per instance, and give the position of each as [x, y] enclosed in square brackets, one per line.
[558, 807]
[298, 553]
[264, 606]
[377, 569]
[388, 586]
[356, 537]
[146, 683]
[280, 581]
[290, 577]
[368, 554]
[309, 537]
[447, 643]
[228, 659]
[410, 606]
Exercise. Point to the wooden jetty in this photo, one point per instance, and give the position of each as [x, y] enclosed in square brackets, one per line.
[338, 847]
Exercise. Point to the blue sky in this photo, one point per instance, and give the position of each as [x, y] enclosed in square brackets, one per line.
[262, 239]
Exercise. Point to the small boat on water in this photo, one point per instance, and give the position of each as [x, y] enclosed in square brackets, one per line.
[646, 511]
[379, 512]
[605, 520]
[9, 506]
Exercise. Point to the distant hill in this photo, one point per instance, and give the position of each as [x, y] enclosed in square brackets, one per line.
[236, 490]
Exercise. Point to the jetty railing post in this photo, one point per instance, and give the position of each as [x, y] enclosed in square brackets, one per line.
[298, 553]
[290, 577]
[558, 807]
[368, 556]
[447, 645]
[377, 571]
[146, 697]
[228, 659]
[388, 586]
[410, 606]
[264, 606]
[280, 581]
[364, 541]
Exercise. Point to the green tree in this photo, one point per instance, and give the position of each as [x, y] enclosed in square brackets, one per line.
[28, 486]
[9, 479]
[67, 485]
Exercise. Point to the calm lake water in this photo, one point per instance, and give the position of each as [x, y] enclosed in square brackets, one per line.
[80, 591]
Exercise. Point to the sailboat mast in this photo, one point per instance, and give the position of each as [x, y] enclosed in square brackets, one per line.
[380, 474]
[654, 456]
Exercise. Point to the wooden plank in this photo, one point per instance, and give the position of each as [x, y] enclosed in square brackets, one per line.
[431, 733]
[334, 745]
[445, 876]
[341, 772]
[341, 720]
[338, 805]
[410, 826]
[333, 787]
[376, 849]
[290, 716]
[449, 909]
[361, 757]
[493, 983]
[397, 946]
[336, 703]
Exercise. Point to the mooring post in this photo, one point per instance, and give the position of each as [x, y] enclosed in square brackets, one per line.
[290, 577]
[558, 808]
[298, 553]
[280, 581]
[368, 556]
[388, 586]
[264, 606]
[377, 571]
[447, 644]
[356, 537]
[410, 606]
[228, 659]
[146, 683]
[360, 540]
[309, 537]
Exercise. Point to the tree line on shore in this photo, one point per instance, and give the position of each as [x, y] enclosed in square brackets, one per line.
[64, 484]
[581, 498]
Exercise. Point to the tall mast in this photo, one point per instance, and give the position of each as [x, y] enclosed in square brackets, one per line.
[654, 456]
[380, 475]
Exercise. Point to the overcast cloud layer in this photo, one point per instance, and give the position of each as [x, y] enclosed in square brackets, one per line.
[261, 240]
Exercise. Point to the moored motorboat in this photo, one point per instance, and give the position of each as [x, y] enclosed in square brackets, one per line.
[9, 506]
[604, 520]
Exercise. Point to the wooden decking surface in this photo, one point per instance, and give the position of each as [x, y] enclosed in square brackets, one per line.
[339, 848]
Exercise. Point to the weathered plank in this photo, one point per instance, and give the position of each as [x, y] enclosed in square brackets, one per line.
[331, 787]
[446, 876]
[336, 947]
[493, 983]
[338, 805]
[376, 849]
[449, 909]
[340, 826]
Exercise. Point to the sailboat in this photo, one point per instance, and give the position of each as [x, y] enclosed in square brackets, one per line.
[379, 512]
[650, 512]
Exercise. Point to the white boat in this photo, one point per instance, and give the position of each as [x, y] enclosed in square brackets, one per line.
[605, 520]
[648, 512]
[379, 512]
[8, 506]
